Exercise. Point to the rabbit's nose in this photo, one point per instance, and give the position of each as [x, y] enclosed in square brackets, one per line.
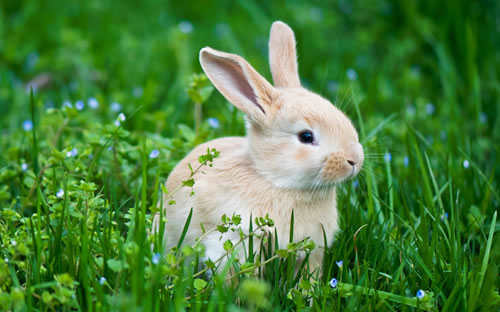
[351, 162]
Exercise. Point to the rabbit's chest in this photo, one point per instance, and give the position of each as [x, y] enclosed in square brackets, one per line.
[310, 216]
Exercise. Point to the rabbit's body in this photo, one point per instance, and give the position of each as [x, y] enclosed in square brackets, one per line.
[224, 189]
[297, 147]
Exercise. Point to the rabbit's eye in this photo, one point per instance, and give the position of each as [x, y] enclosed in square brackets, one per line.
[306, 137]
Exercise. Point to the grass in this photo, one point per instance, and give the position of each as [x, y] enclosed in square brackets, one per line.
[78, 187]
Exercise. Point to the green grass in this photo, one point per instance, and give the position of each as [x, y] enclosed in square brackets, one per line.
[420, 81]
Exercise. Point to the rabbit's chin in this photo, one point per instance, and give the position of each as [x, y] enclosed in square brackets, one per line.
[303, 183]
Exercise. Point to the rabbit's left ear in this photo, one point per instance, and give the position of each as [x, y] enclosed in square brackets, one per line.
[283, 56]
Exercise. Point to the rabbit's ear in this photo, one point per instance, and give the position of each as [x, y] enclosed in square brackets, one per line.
[283, 56]
[238, 82]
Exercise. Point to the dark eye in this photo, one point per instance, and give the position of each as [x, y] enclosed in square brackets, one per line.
[306, 137]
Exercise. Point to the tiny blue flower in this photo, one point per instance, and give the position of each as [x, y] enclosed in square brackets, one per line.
[154, 153]
[60, 193]
[72, 153]
[117, 123]
[483, 118]
[466, 164]
[443, 135]
[110, 148]
[333, 283]
[387, 157]
[332, 86]
[355, 183]
[186, 27]
[406, 161]
[137, 92]
[27, 125]
[420, 294]
[410, 110]
[213, 122]
[93, 103]
[316, 14]
[429, 109]
[121, 117]
[444, 216]
[102, 280]
[116, 107]
[339, 263]
[67, 104]
[351, 74]
[156, 258]
[24, 166]
[79, 105]
[222, 29]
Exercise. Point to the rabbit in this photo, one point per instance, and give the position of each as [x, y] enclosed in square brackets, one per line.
[297, 147]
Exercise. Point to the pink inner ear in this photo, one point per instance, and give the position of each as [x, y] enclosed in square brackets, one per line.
[231, 76]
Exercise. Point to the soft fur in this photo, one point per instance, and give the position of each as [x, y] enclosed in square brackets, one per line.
[269, 171]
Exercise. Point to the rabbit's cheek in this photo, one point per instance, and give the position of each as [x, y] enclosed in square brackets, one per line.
[302, 154]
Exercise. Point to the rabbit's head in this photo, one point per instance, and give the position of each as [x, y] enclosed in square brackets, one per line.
[297, 139]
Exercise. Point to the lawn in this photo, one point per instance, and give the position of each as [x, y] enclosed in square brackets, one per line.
[97, 102]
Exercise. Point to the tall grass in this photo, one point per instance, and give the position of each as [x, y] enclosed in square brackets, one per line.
[79, 185]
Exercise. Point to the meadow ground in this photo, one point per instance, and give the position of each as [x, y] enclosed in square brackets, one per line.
[83, 159]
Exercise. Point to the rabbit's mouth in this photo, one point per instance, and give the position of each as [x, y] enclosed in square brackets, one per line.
[337, 168]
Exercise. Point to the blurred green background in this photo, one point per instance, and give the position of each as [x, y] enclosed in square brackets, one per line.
[419, 79]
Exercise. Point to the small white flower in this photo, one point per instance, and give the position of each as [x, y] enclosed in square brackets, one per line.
[420, 294]
[387, 157]
[351, 74]
[79, 105]
[27, 125]
[154, 154]
[466, 164]
[102, 280]
[156, 258]
[116, 107]
[93, 103]
[72, 153]
[186, 27]
[67, 104]
[213, 122]
[13, 242]
[121, 117]
[24, 166]
[60, 193]
[6, 260]
[339, 263]
[333, 283]
[429, 109]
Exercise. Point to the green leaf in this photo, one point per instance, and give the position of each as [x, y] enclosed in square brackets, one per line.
[199, 284]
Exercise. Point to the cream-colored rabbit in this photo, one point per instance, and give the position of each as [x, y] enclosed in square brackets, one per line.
[298, 146]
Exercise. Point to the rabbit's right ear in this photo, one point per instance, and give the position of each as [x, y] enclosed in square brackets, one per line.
[283, 56]
[238, 82]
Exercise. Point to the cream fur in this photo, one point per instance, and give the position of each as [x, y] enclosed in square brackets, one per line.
[269, 171]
